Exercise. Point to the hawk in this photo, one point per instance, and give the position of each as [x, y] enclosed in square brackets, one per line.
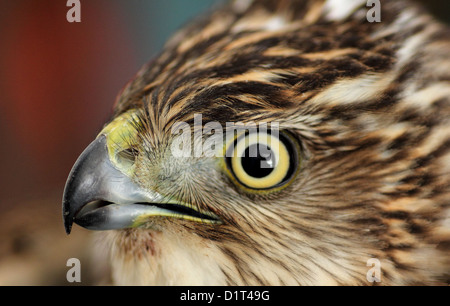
[350, 163]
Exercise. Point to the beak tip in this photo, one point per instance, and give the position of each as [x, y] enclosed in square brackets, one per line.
[67, 215]
[67, 224]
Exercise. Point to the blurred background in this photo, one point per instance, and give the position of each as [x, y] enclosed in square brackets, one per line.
[58, 82]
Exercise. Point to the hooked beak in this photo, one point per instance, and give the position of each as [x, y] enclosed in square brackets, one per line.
[98, 196]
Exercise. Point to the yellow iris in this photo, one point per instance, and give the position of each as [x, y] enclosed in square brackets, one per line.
[266, 173]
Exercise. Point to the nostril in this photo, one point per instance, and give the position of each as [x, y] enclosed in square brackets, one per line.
[127, 157]
[129, 153]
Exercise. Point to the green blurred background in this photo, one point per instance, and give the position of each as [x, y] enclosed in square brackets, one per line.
[58, 82]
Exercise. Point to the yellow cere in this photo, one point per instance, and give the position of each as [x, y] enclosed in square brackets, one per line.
[121, 134]
[281, 166]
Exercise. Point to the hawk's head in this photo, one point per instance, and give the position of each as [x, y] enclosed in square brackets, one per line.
[349, 160]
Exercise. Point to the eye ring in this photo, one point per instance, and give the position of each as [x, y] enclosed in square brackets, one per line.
[263, 161]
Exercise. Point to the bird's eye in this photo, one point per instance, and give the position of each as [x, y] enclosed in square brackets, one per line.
[263, 161]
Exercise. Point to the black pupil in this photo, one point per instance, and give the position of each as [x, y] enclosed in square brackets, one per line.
[258, 160]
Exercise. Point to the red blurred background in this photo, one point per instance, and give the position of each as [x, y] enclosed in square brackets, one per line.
[58, 80]
[58, 83]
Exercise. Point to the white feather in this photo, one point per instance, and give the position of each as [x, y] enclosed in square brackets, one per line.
[337, 10]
